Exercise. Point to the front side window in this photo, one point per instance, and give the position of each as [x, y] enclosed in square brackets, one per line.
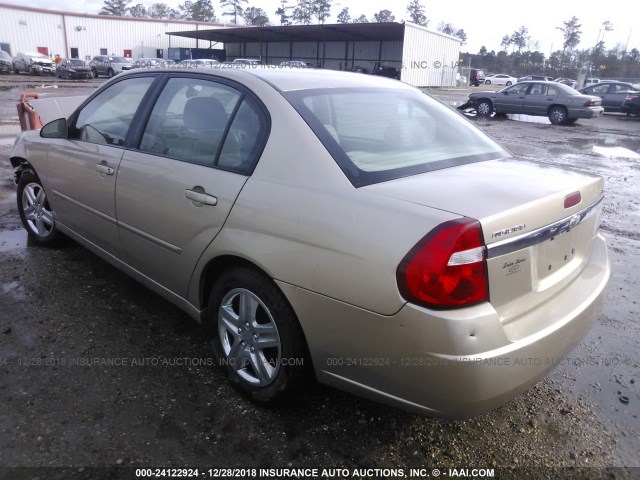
[599, 89]
[518, 89]
[107, 117]
[377, 135]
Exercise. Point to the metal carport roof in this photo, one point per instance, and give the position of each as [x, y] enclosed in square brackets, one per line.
[301, 33]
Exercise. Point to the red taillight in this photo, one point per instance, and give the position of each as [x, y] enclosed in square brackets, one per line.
[572, 200]
[592, 103]
[628, 98]
[447, 268]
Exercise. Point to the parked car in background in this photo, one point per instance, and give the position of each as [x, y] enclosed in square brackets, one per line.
[591, 81]
[73, 68]
[389, 72]
[6, 62]
[246, 61]
[631, 105]
[476, 77]
[295, 64]
[33, 63]
[145, 62]
[562, 104]
[198, 63]
[327, 225]
[566, 81]
[109, 65]
[613, 94]
[500, 79]
[542, 78]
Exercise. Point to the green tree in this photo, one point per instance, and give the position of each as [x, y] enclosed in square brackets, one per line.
[322, 10]
[361, 19]
[162, 11]
[199, 11]
[138, 11]
[256, 16]
[384, 16]
[343, 16]
[116, 8]
[303, 12]
[462, 35]
[416, 12]
[520, 38]
[285, 19]
[235, 9]
[483, 51]
[447, 28]
[506, 41]
[571, 33]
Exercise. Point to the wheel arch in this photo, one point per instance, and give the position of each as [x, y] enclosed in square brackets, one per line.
[215, 268]
[21, 164]
[557, 105]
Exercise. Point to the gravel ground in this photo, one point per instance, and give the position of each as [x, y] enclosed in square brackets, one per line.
[156, 411]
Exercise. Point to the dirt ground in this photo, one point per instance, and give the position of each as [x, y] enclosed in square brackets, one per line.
[62, 310]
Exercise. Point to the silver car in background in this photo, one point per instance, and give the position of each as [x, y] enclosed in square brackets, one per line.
[33, 63]
[560, 103]
[327, 225]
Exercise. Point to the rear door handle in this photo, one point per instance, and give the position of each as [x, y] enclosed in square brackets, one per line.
[201, 197]
[104, 169]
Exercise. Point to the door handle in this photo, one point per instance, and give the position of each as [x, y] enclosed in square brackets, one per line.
[201, 198]
[104, 169]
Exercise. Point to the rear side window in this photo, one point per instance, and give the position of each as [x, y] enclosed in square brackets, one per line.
[208, 123]
[377, 135]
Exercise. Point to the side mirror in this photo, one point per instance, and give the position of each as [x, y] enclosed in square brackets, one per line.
[55, 129]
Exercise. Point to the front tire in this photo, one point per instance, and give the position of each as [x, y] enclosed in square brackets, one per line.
[110, 73]
[256, 336]
[487, 82]
[509, 84]
[484, 108]
[35, 211]
[558, 115]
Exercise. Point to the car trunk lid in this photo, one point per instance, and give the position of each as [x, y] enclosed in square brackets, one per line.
[538, 222]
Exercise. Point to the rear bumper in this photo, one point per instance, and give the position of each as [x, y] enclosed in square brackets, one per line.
[589, 112]
[455, 364]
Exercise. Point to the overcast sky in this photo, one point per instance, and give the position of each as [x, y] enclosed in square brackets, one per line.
[484, 22]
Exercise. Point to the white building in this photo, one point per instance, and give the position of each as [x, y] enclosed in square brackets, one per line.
[78, 35]
[423, 57]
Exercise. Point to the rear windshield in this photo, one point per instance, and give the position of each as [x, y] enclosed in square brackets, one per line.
[376, 135]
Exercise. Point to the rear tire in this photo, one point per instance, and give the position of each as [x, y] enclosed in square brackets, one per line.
[110, 73]
[509, 84]
[487, 82]
[558, 115]
[256, 336]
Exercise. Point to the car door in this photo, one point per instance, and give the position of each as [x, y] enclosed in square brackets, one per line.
[617, 94]
[601, 91]
[176, 190]
[511, 100]
[539, 98]
[86, 164]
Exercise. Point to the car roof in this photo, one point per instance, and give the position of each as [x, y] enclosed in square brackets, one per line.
[285, 79]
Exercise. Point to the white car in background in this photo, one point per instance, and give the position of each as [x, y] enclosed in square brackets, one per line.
[500, 79]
